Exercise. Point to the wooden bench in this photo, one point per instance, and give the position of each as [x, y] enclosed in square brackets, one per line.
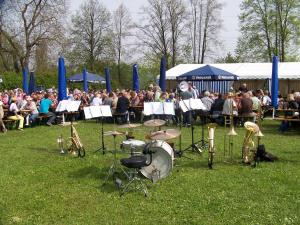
[9, 124]
[42, 119]
[286, 119]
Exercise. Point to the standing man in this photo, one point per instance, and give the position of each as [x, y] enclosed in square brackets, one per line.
[45, 106]
[185, 95]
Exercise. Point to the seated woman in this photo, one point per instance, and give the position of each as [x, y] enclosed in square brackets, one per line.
[290, 104]
[34, 113]
[13, 113]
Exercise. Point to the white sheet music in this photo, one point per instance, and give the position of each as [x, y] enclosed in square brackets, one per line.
[148, 109]
[106, 111]
[169, 108]
[87, 113]
[73, 106]
[62, 106]
[97, 111]
[157, 108]
[185, 105]
[197, 104]
[191, 104]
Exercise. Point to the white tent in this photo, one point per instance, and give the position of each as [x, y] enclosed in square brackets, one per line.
[245, 71]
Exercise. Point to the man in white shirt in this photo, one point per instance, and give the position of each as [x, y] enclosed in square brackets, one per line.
[266, 99]
[97, 100]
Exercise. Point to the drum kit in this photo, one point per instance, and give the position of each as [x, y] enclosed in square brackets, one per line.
[163, 154]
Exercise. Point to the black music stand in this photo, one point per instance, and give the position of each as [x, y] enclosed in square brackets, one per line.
[101, 112]
[191, 105]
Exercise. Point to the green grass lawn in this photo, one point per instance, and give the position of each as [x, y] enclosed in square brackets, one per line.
[40, 186]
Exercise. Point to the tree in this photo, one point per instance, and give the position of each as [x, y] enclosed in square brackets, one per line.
[26, 23]
[204, 25]
[269, 27]
[229, 58]
[91, 34]
[122, 29]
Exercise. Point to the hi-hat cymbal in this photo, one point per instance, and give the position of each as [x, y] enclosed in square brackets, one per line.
[130, 125]
[154, 123]
[113, 133]
[165, 134]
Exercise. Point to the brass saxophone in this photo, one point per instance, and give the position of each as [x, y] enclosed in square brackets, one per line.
[211, 148]
[248, 144]
[76, 146]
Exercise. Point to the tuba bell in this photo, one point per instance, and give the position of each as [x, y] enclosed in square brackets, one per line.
[211, 148]
[248, 143]
[76, 146]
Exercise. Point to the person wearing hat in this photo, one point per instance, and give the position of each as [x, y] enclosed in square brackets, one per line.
[13, 113]
[30, 105]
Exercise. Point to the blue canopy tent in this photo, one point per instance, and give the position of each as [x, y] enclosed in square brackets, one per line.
[274, 84]
[91, 78]
[135, 78]
[62, 84]
[210, 78]
[25, 80]
[32, 86]
[162, 77]
[85, 83]
[107, 79]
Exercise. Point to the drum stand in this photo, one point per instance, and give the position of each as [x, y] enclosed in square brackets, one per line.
[113, 167]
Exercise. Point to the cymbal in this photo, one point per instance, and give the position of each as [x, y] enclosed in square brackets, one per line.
[113, 133]
[130, 125]
[165, 134]
[154, 123]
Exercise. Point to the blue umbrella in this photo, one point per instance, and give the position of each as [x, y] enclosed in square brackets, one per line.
[107, 78]
[135, 78]
[85, 83]
[162, 77]
[274, 84]
[32, 86]
[62, 84]
[25, 80]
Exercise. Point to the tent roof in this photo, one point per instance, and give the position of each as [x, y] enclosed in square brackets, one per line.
[286, 70]
[91, 78]
[207, 72]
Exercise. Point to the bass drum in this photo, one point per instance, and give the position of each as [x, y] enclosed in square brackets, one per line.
[162, 160]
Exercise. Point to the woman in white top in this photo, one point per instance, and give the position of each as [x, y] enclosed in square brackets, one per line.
[13, 113]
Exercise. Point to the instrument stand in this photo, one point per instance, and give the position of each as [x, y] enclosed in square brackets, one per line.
[194, 146]
[113, 167]
[102, 148]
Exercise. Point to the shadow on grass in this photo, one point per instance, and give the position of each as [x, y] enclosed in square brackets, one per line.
[45, 150]
[91, 172]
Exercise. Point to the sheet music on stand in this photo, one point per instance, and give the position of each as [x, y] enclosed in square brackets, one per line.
[67, 105]
[97, 111]
[191, 104]
[159, 108]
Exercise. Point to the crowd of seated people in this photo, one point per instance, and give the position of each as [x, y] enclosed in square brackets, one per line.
[15, 105]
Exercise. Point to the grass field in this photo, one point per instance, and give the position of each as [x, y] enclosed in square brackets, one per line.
[40, 186]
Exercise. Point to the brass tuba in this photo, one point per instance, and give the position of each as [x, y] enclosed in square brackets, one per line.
[248, 144]
[76, 146]
[211, 148]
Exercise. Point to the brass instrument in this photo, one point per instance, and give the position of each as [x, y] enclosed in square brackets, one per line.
[259, 134]
[230, 134]
[211, 148]
[60, 142]
[248, 144]
[76, 146]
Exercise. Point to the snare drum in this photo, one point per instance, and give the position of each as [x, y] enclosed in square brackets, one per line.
[133, 146]
[162, 160]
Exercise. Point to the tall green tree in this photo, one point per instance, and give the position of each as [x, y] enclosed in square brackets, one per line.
[269, 27]
[91, 35]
